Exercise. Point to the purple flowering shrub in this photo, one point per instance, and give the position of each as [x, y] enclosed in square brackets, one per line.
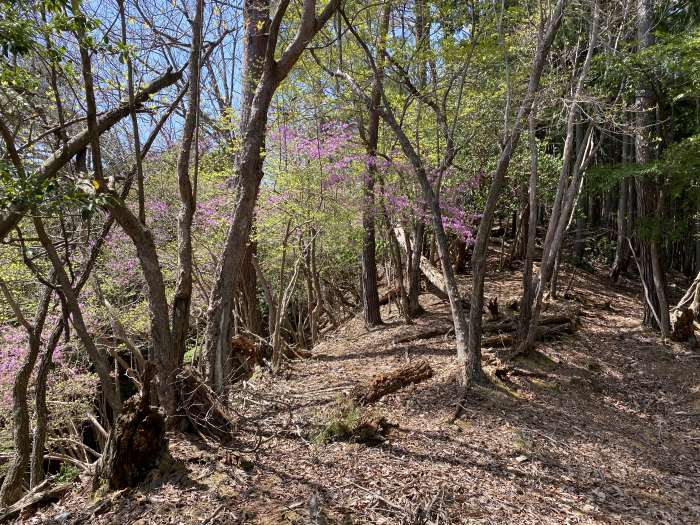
[71, 387]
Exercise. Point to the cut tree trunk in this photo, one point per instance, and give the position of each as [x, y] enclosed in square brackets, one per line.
[388, 383]
[683, 328]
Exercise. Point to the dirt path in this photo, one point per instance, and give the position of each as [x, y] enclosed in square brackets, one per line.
[611, 435]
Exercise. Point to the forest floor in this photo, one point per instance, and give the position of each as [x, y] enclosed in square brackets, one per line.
[609, 435]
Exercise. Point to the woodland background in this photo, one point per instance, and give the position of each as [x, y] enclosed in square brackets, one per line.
[196, 195]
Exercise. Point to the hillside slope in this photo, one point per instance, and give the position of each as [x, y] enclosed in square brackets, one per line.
[605, 431]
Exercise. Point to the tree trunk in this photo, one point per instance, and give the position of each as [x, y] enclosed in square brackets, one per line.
[250, 163]
[370, 295]
[621, 250]
[248, 286]
[648, 195]
[482, 238]
[416, 255]
[187, 186]
[36, 470]
[256, 24]
[579, 240]
[12, 485]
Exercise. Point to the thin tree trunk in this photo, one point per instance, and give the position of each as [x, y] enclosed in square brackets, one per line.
[531, 227]
[217, 344]
[12, 485]
[187, 187]
[98, 359]
[482, 238]
[36, 470]
[621, 251]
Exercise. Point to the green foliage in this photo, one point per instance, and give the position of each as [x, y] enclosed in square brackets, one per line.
[67, 473]
[340, 424]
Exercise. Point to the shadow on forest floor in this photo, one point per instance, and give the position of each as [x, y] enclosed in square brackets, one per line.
[606, 434]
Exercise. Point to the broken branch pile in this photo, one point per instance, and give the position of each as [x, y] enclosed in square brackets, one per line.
[202, 407]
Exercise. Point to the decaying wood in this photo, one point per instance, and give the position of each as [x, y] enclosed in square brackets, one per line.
[33, 499]
[432, 273]
[202, 407]
[388, 383]
[543, 332]
[683, 328]
[136, 443]
[371, 431]
[417, 336]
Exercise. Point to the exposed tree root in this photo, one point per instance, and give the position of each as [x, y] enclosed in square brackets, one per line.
[503, 373]
[202, 407]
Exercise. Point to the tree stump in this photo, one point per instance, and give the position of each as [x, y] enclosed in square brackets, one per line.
[683, 326]
[245, 356]
[388, 383]
[135, 446]
[492, 306]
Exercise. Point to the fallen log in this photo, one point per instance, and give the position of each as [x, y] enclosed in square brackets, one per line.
[432, 274]
[388, 383]
[691, 295]
[511, 325]
[437, 292]
[543, 332]
[417, 336]
[504, 326]
[34, 499]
